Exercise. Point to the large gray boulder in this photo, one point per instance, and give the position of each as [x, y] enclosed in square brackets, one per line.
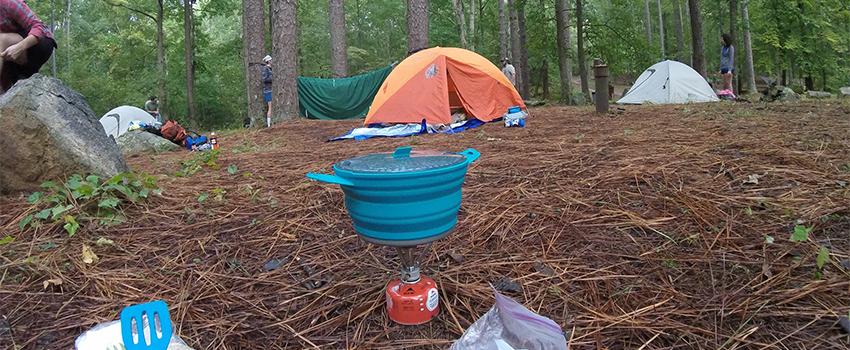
[48, 131]
[845, 91]
[818, 94]
[142, 142]
[787, 94]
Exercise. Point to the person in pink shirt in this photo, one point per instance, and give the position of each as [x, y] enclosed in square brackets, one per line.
[25, 43]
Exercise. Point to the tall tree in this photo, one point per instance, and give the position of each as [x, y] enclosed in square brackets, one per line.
[562, 20]
[647, 21]
[160, 46]
[523, 49]
[67, 38]
[285, 63]
[516, 50]
[698, 56]
[160, 59]
[189, 58]
[661, 29]
[504, 30]
[733, 32]
[748, 49]
[53, 30]
[339, 47]
[417, 25]
[680, 32]
[582, 55]
[253, 50]
[473, 35]
[461, 23]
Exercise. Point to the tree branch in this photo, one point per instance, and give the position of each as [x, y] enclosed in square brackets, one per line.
[143, 13]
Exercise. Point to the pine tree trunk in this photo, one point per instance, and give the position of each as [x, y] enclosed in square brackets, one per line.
[339, 46]
[526, 69]
[189, 55]
[253, 50]
[461, 23]
[285, 63]
[661, 30]
[680, 32]
[67, 38]
[562, 20]
[748, 49]
[473, 36]
[417, 25]
[647, 22]
[733, 32]
[53, 30]
[160, 60]
[504, 31]
[516, 50]
[544, 79]
[582, 56]
[698, 56]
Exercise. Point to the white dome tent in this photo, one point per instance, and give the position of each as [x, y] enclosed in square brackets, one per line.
[118, 120]
[669, 82]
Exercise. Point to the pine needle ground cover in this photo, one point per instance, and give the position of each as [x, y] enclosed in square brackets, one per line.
[702, 226]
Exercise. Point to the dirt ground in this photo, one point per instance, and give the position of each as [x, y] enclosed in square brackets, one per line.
[654, 227]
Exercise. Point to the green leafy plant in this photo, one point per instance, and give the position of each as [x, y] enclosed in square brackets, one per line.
[201, 159]
[6, 240]
[801, 233]
[232, 169]
[88, 199]
[218, 193]
[820, 261]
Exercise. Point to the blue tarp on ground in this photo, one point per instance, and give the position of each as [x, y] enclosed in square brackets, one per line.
[404, 130]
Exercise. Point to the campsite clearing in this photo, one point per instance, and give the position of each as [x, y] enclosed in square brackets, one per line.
[658, 227]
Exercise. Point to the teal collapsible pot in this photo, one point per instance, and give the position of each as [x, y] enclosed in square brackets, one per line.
[402, 198]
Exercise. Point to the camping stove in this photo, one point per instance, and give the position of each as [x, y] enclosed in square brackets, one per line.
[413, 298]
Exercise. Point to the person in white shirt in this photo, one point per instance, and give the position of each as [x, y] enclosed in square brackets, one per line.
[509, 71]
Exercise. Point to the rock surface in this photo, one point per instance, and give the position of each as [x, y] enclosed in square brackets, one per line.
[818, 94]
[788, 94]
[140, 142]
[48, 131]
[845, 91]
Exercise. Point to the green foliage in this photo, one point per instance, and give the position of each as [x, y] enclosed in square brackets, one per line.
[198, 161]
[111, 58]
[6, 240]
[801, 233]
[232, 169]
[822, 258]
[89, 198]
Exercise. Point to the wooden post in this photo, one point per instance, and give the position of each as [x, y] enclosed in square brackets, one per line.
[600, 74]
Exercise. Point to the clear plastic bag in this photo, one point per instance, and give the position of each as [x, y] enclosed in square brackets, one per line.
[510, 326]
[107, 336]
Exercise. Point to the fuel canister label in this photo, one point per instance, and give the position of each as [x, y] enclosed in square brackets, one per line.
[433, 299]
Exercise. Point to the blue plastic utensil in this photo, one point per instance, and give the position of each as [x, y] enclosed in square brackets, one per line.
[144, 316]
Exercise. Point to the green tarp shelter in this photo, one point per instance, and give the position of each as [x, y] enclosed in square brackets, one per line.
[340, 98]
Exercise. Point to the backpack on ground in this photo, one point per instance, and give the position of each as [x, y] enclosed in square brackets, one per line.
[172, 131]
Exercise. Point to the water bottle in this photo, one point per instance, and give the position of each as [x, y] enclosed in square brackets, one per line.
[213, 140]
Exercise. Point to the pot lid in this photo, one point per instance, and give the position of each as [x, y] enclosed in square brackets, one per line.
[403, 160]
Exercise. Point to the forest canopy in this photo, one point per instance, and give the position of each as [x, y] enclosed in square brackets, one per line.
[108, 48]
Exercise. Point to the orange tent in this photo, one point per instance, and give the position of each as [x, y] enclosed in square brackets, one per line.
[430, 83]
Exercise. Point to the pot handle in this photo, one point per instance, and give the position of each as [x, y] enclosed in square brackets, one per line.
[402, 152]
[331, 179]
[471, 155]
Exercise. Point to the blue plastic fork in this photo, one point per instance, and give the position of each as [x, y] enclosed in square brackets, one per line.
[151, 311]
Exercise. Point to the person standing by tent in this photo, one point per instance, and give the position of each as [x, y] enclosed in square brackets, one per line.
[727, 61]
[152, 107]
[509, 71]
[267, 87]
[25, 43]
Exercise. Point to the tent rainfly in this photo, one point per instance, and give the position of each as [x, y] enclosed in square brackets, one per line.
[117, 121]
[669, 82]
[429, 84]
